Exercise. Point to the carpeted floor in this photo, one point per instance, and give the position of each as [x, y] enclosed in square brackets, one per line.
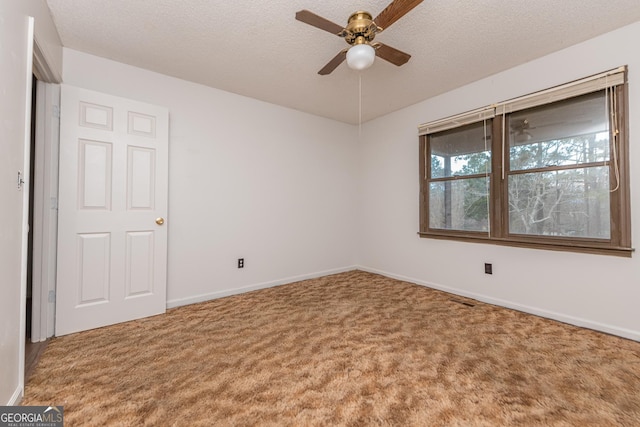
[344, 350]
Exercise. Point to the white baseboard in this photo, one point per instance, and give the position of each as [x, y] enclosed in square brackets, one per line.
[577, 321]
[235, 291]
[16, 398]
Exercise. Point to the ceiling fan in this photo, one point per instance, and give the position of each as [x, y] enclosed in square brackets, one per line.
[359, 33]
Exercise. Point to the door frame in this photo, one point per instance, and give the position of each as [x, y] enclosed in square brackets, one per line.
[45, 221]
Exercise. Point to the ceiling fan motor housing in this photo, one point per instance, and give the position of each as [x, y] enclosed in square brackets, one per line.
[360, 28]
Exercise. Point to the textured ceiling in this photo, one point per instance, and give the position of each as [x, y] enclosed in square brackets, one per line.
[257, 48]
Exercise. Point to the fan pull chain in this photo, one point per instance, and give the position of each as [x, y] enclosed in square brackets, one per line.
[359, 106]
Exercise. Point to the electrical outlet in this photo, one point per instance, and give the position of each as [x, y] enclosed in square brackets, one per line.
[488, 268]
[240, 262]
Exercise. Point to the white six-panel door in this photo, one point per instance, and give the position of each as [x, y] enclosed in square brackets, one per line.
[112, 228]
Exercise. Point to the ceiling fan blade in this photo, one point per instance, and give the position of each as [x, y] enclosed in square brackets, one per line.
[333, 64]
[393, 55]
[318, 21]
[396, 10]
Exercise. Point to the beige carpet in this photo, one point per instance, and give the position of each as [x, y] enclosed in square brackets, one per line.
[344, 350]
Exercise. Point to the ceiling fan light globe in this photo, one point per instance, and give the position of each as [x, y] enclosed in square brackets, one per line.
[360, 57]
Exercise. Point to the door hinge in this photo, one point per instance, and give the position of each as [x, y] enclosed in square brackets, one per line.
[20, 181]
[52, 296]
[56, 112]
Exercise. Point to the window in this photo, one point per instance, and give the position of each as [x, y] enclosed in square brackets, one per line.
[548, 170]
[460, 165]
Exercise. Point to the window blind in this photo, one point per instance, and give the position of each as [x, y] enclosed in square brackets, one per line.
[590, 84]
[456, 121]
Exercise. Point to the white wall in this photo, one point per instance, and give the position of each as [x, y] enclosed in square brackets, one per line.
[296, 197]
[598, 291]
[15, 86]
[246, 179]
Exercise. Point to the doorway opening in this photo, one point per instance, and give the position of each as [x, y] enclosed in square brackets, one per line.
[31, 182]
[33, 350]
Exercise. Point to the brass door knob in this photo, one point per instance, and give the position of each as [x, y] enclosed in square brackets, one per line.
[159, 221]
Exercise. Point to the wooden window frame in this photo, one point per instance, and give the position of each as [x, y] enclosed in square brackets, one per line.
[619, 243]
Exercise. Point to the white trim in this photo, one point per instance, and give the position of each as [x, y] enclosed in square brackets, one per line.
[41, 68]
[16, 397]
[38, 217]
[45, 218]
[236, 291]
[572, 320]
[25, 204]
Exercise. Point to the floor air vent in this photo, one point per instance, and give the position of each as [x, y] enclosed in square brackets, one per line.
[468, 304]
